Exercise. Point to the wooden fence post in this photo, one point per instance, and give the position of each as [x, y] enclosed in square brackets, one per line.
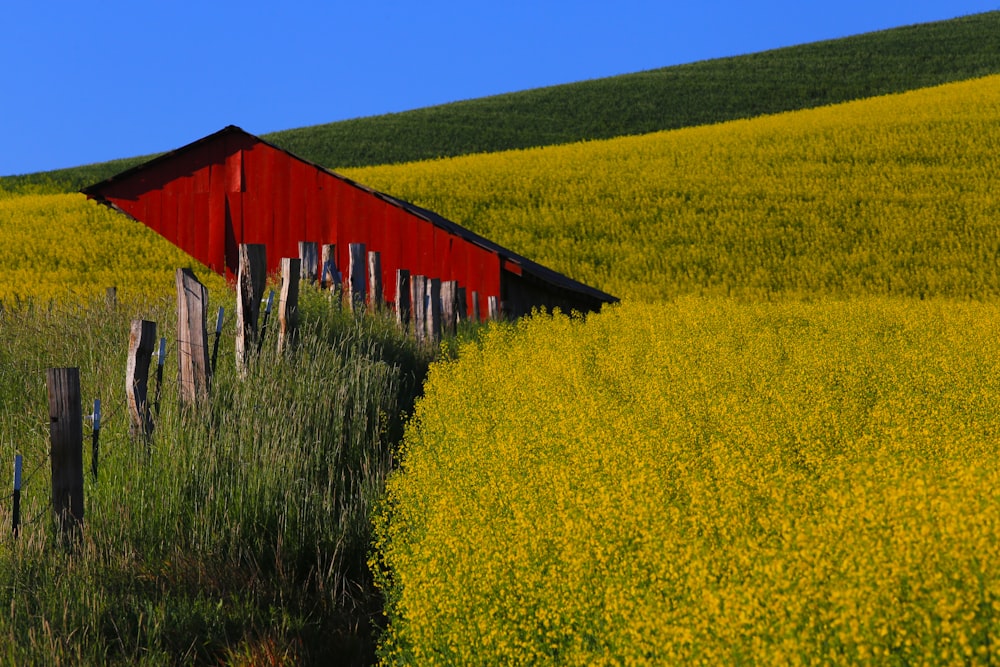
[434, 310]
[418, 302]
[356, 276]
[462, 305]
[251, 278]
[449, 307]
[111, 297]
[16, 510]
[309, 261]
[330, 278]
[288, 304]
[141, 342]
[66, 454]
[475, 307]
[493, 304]
[192, 338]
[403, 298]
[375, 292]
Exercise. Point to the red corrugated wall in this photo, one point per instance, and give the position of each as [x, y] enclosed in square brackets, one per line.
[232, 189]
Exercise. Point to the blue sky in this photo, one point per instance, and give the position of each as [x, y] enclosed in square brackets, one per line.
[88, 82]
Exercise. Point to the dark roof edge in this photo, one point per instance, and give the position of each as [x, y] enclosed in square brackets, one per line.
[536, 269]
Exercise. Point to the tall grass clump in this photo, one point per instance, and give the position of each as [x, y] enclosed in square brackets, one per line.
[704, 482]
[238, 533]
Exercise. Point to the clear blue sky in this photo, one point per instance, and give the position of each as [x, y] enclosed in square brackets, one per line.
[86, 82]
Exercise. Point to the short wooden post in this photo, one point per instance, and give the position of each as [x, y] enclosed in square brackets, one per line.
[95, 436]
[493, 304]
[288, 304]
[251, 278]
[141, 342]
[16, 510]
[66, 454]
[192, 339]
[403, 298]
[475, 307]
[375, 292]
[111, 297]
[160, 358]
[434, 310]
[356, 276]
[461, 305]
[308, 261]
[449, 307]
[331, 277]
[418, 303]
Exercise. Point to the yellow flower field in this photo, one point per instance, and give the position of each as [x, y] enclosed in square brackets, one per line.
[893, 195]
[62, 247]
[705, 482]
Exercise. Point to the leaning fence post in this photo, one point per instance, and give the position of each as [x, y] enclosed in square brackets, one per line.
[475, 307]
[375, 293]
[433, 310]
[288, 304]
[141, 342]
[308, 260]
[356, 276]
[418, 302]
[331, 276]
[66, 454]
[16, 515]
[251, 278]
[192, 338]
[403, 298]
[449, 307]
[493, 304]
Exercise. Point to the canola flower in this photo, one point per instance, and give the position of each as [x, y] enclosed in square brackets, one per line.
[64, 248]
[704, 482]
[893, 195]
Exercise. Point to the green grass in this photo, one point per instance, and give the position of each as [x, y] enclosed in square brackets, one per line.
[698, 93]
[240, 534]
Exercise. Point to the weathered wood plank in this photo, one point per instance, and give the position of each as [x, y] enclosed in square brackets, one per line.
[192, 338]
[356, 276]
[251, 279]
[288, 303]
[403, 303]
[66, 453]
[434, 310]
[375, 292]
[141, 343]
[418, 301]
[309, 261]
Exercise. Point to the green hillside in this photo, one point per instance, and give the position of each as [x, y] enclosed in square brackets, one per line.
[699, 93]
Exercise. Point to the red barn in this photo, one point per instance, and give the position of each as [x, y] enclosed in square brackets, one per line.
[232, 187]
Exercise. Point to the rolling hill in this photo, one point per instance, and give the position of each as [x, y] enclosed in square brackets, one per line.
[700, 93]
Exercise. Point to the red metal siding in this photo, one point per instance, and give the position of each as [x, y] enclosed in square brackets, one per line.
[238, 190]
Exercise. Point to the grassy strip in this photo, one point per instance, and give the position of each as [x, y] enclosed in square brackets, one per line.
[240, 533]
[699, 93]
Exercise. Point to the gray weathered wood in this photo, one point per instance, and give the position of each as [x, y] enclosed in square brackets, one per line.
[192, 339]
[434, 310]
[141, 343]
[418, 303]
[356, 276]
[475, 307]
[251, 279]
[288, 303]
[493, 304]
[309, 261]
[375, 292]
[462, 305]
[449, 307]
[66, 454]
[403, 299]
[331, 278]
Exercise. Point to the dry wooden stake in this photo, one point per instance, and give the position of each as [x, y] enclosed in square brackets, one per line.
[95, 418]
[309, 259]
[418, 302]
[218, 335]
[251, 279]
[159, 373]
[288, 304]
[449, 307]
[267, 316]
[374, 280]
[403, 299]
[192, 339]
[433, 313]
[356, 276]
[16, 517]
[66, 454]
[475, 307]
[331, 276]
[493, 303]
[140, 352]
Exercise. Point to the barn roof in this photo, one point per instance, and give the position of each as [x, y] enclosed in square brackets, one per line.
[510, 260]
